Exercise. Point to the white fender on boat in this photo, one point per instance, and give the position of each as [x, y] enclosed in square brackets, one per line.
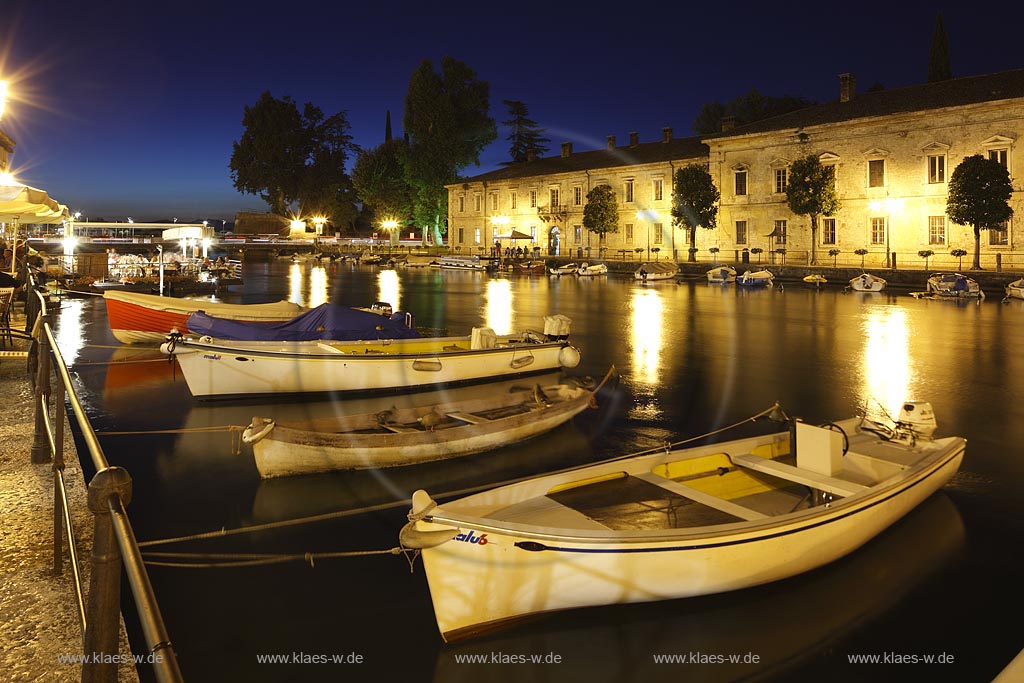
[412, 537]
[257, 429]
[569, 357]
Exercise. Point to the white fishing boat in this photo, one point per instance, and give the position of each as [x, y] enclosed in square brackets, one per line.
[866, 282]
[721, 275]
[953, 286]
[756, 278]
[217, 368]
[669, 524]
[564, 269]
[652, 271]
[1015, 289]
[589, 269]
[460, 263]
[410, 436]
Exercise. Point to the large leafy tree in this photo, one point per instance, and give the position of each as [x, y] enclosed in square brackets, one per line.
[379, 180]
[448, 125]
[979, 196]
[694, 201]
[525, 135]
[811, 191]
[295, 160]
[745, 109]
[601, 212]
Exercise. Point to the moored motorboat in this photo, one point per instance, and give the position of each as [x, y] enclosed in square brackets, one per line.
[532, 266]
[326, 321]
[675, 523]
[1015, 289]
[866, 282]
[954, 285]
[652, 271]
[411, 436]
[460, 263]
[564, 269]
[215, 368]
[589, 269]
[756, 278]
[137, 318]
[815, 280]
[721, 275]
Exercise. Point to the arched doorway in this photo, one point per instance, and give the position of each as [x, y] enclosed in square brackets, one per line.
[554, 241]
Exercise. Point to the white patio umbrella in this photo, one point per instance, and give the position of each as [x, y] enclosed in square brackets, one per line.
[21, 204]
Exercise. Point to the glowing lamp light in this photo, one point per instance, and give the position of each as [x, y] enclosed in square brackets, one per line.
[297, 225]
[647, 214]
[7, 178]
[500, 220]
[389, 224]
[3, 97]
[69, 244]
[206, 246]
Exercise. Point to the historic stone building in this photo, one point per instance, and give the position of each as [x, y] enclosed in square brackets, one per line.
[893, 150]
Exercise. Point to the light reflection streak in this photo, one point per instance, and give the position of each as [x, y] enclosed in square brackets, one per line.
[295, 284]
[389, 288]
[317, 286]
[70, 339]
[499, 306]
[646, 334]
[887, 367]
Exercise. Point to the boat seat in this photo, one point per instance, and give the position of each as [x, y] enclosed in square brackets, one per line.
[833, 485]
[466, 417]
[399, 429]
[701, 497]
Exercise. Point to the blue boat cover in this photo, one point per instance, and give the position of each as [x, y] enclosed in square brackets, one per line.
[327, 321]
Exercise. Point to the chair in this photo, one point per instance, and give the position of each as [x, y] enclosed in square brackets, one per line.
[6, 303]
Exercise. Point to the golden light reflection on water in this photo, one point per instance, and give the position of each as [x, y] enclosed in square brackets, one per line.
[389, 288]
[887, 370]
[646, 334]
[499, 306]
[70, 339]
[317, 286]
[295, 284]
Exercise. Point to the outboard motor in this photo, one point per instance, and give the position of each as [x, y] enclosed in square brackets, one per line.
[919, 417]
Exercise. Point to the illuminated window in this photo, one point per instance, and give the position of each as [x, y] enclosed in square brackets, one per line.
[828, 230]
[533, 199]
[577, 196]
[476, 235]
[627, 191]
[658, 234]
[629, 233]
[658, 189]
[876, 173]
[937, 168]
[741, 232]
[936, 229]
[999, 237]
[512, 200]
[553, 197]
[577, 233]
[878, 231]
[780, 232]
[741, 182]
[781, 177]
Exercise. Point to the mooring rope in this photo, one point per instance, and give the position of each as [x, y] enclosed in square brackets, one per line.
[234, 430]
[257, 559]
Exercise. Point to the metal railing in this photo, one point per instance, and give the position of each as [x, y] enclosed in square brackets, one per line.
[113, 539]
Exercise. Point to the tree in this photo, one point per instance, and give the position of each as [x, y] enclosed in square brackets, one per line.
[938, 57]
[959, 255]
[601, 212]
[379, 180]
[526, 136]
[745, 109]
[288, 158]
[694, 201]
[448, 125]
[979, 196]
[811, 191]
[834, 253]
[926, 254]
[862, 253]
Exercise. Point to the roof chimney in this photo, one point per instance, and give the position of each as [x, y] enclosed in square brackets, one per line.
[531, 155]
[611, 142]
[566, 150]
[728, 123]
[666, 134]
[634, 139]
[847, 87]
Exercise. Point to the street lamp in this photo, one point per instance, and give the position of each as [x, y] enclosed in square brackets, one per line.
[649, 215]
[389, 226]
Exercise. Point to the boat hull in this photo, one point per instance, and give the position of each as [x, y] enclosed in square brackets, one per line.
[867, 284]
[224, 370]
[286, 450]
[147, 319]
[493, 572]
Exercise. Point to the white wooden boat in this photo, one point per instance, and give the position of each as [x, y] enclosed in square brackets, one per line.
[589, 269]
[675, 523]
[460, 263]
[1015, 289]
[652, 271]
[757, 278]
[411, 436]
[216, 368]
[721, 275]
[866, 282]
[136, 318]
[564, 269]
[532, 266]
[954, 286]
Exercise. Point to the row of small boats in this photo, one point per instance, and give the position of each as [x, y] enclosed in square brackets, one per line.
[657, 525]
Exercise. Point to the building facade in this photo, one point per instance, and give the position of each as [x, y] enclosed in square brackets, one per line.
[893, 152]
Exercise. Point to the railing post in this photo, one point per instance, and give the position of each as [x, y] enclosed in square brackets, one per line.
[41, 393]
[104, 604]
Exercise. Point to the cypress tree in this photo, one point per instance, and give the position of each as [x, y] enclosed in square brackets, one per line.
[938, 63]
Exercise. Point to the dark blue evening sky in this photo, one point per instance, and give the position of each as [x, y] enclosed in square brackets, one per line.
[125, 109]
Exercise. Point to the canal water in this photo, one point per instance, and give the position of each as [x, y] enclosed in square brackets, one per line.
[943, 583]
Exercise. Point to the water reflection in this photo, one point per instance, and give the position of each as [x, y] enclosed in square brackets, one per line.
[389, 288]
[69, 337]
[317, 286]
[295, 280]
[499, 306]
[887, 362]
[645, 334]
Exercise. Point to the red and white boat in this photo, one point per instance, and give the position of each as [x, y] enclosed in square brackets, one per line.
[147, 318]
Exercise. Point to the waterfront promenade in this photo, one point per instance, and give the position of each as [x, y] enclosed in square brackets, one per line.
[38, 615]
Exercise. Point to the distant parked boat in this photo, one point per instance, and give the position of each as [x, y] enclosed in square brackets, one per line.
[815, 280]
[587, 269]
[758, 278]
[1015, 290]
[954, 285]
[565, 269]
[722, 275]
[651, 271]
[460, 263]
[866, 282]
